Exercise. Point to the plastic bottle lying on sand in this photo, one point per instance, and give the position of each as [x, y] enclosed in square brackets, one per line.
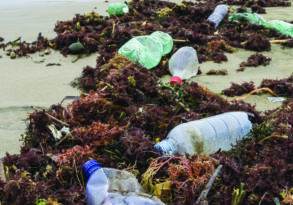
[147, 50]
[106, 186]
[183, 65]
[206, 136]
[218, 15]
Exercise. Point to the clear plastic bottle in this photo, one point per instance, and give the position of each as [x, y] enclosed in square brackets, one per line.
[106, 186]
[218, 15]
[183, 64]
[206, 136]
[147, 50]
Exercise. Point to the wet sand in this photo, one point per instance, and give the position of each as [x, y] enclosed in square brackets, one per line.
[25, 82]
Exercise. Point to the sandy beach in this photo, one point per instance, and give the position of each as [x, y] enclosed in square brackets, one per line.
[27, 82]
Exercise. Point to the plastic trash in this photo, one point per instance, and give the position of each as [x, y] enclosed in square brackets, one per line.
[281, 26]
[106, 186]
[165, 39]
[253, 18]
[206, 136]
[117, 9]
[218, 15]
[276, 99]
[76, 47]
[183, 65]
[147, 50]
[58, 134]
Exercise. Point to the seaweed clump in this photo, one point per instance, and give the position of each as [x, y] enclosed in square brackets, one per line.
[116, 121]
[18, 48]
[124, 110]
[254, 61]
[217, 72]
[262, 163]
[93, 32]
[179, 176]
[239, 89]
[257, 42]
[282, 87]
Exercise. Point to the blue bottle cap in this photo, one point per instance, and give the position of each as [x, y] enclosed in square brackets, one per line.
[90, 167]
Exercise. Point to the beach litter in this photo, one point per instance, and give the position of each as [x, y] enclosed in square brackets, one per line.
[125, 109]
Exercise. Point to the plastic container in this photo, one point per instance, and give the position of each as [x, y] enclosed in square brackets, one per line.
[282, 27]
[106, 186]
[183, 65]
[147, 50]
[218, 15]
[117, 9]
[206, 136]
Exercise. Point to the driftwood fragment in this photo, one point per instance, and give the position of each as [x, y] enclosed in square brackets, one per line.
[202, 199]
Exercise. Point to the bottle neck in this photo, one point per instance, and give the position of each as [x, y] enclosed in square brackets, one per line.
[166, 147]
[176, 80]
[90, 167]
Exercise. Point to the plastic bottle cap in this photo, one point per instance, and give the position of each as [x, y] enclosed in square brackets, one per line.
[90, 167]
[176, 80]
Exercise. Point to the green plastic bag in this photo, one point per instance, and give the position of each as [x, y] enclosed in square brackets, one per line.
[147, 50]
[117, 9]
[253, 18]
[165, 39]
[281, 26]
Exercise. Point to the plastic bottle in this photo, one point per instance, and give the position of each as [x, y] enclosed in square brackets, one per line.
[147, 50]
[117, 9]
[183, 64]
[206, 136]
[218, 15]
[106, 186]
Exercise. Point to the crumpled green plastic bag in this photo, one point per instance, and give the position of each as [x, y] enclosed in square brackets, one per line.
[281, 26]
[165, 39]
[117, 9]
[147, 50]
[253, 18]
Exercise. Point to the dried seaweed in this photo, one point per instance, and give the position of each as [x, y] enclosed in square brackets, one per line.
[257, 42]
[96, 33]
[239, 89]
[254, 61]
[282, 87]
[263, 163]
[288, 44]
[187, 177]
[217, 72]
[124, 110]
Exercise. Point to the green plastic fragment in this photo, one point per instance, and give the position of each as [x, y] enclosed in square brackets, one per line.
[41, 202]
[76, 47]
[147, 50]
[117, 9]
[280, 26]
[165, 39]
[252, 18]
